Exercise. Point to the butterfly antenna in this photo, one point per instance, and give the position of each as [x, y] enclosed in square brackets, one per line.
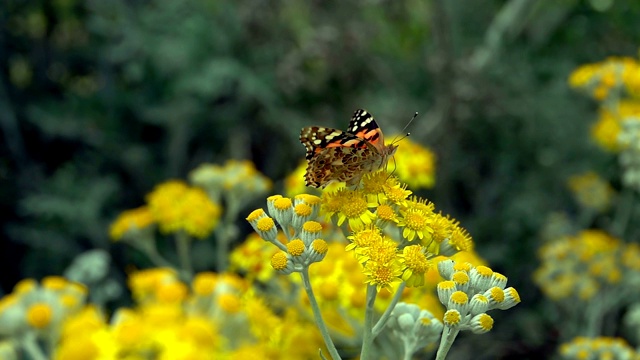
[405, 128]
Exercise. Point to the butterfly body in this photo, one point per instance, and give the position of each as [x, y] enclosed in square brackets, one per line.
[336, 155]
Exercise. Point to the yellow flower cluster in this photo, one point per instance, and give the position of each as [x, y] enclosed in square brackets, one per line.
[415, 165]
[591, 191]
[597, 348]
[383, 203]
[177, 206]
[581, 267]
[131, 222]
[174, 206]
[393, 237]
[248, 258]
[218, 317]
[339, 280]
[614, 82]
[469, 292]
[614, 73]
[606, 131]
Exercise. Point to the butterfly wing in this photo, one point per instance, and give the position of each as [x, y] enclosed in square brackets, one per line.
[333, 155]
[364, 126]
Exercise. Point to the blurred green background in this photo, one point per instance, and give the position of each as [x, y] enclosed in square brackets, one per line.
[101, 100]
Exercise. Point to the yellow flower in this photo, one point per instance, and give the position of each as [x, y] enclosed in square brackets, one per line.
[176, 206]
[364, 238]
[415, 165]
[383, 275]
[144, 283]
[583, 75]
[379, 249]
[606, 130]
[355, 209]
[39, 315]
[249, 258]
[591, 191]
[200, 214]
[163, 202]
[415, 265]
[373, 185]
[204, 283]
[130, 221]
[395, 192]
[332, 203]
[460, 240]
[599, 79]
[416, 219]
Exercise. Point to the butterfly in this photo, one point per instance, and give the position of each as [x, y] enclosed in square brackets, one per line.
[336, 155]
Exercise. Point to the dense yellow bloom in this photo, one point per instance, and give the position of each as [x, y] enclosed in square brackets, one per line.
[177, 206]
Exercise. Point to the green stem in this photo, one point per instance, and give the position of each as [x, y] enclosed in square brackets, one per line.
[623, 212]
[407, 354]
[324, 331]
[226, 232]
[367, 331]
[32, 348]
[222, 248]
[182, 245]
[448, 336]
[377, 329]
[148, 247]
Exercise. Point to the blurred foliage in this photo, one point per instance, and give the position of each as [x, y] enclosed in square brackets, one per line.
[100, 100]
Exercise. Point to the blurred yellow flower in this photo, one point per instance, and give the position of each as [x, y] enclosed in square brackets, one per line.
[131, 221]
[597, 348]
[579, 267]
[415, 165]
[249, 258]
[177, 206]
[294, 182]
[600, 79]
[591, 191]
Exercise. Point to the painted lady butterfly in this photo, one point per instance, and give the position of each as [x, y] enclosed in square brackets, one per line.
[335, 155]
